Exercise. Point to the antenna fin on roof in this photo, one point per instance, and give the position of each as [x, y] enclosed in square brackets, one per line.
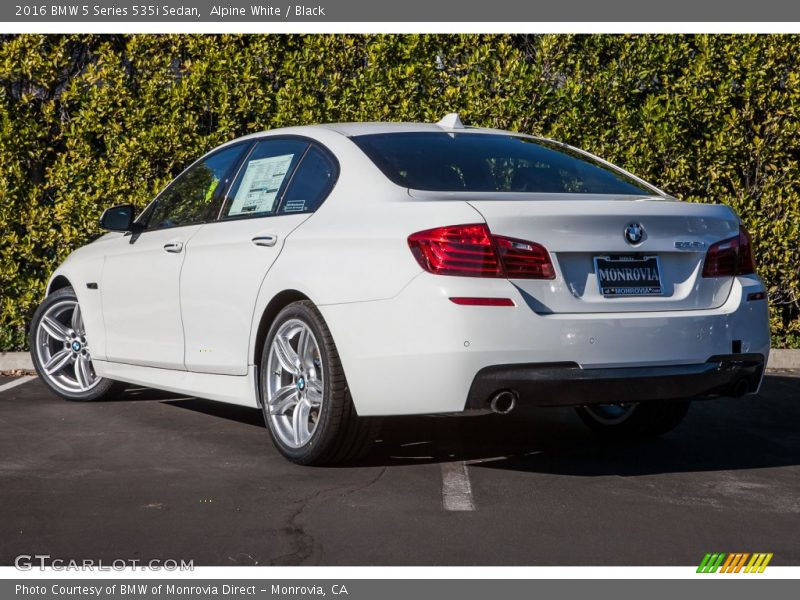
[451, 121]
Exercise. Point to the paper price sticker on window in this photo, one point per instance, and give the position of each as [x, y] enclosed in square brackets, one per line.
[294, 206]
[260, 185]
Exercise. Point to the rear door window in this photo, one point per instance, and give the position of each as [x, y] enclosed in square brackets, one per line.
[263, 178]
[310, 184]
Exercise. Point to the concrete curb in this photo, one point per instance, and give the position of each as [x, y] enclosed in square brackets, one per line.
[784, 359]
[13, 361]
[778, 359]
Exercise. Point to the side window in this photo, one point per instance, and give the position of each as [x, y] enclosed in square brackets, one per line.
[310, 183]
[190, 198]
[263, 178]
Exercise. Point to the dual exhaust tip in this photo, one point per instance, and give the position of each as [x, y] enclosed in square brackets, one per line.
[503, 402]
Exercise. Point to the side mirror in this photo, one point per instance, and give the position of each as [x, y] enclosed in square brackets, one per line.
[118, 218]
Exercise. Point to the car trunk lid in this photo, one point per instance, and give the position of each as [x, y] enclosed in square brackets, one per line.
[586, 234]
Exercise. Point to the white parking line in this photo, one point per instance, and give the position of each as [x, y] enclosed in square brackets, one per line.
[456, 488]
[16, 382]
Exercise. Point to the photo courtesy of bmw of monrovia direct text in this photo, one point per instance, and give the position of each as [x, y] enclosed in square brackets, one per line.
[420, 300]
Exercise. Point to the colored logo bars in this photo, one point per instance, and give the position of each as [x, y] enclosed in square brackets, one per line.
[734, 563]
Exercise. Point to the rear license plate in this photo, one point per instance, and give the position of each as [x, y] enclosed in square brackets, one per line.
[624, 275]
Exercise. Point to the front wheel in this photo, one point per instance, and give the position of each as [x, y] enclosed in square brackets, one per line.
[634, 420]
[61, 352]
[304, 395]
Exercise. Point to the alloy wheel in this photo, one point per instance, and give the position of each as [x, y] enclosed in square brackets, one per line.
[62, 348]
[295, 383]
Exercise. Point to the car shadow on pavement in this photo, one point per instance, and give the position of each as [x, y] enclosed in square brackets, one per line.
[233, 412]
[241, 414]
[722, 434]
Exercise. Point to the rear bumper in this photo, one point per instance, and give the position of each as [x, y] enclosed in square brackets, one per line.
[419, 353]
[567, 384]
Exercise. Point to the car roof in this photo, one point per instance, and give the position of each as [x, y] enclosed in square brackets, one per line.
[356, 129]
[451, 123]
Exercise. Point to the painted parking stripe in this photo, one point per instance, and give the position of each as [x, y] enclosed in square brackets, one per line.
[456, 488]
[16, 382]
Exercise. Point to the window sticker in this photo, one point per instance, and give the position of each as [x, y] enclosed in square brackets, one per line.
[260, 185]
[294, 206]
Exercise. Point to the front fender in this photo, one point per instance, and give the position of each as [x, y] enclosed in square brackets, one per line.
[81, 270]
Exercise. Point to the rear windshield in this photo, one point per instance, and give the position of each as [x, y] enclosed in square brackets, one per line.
[478, 162]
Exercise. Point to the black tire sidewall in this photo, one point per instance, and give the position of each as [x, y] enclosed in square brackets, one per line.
[648, 419]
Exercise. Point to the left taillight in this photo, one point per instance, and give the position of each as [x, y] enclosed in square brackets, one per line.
[730, 257]
[524, 260]
[473, 251]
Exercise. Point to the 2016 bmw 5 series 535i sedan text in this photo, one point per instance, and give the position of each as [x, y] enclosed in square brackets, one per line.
[336, 273]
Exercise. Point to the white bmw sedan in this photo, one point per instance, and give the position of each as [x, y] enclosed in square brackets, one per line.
[336, 273]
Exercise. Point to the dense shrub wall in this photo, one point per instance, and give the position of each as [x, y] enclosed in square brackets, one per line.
[90, 121]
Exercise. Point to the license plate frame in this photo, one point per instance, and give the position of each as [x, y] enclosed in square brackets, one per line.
[629, 288]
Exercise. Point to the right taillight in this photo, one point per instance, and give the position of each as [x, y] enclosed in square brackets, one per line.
[473, 251]
[729, 257]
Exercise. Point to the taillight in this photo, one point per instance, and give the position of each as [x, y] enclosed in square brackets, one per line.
[746, 264]
[524, 260]
[460, 250]
[473, 251]
[733, 256]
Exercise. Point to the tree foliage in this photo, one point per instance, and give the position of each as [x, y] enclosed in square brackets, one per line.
[90, 121]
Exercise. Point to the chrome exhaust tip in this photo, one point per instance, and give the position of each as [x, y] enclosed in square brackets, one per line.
[503, 402]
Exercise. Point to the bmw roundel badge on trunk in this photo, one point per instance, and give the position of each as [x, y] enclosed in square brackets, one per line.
[634, 233]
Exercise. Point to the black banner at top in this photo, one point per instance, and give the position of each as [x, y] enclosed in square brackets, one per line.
[441, 11]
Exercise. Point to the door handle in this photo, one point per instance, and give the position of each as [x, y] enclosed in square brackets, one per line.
[265, 240]
[173, 247]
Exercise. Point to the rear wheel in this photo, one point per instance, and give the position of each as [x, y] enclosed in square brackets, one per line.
[61, 353]
[634, 420]
[304, 395]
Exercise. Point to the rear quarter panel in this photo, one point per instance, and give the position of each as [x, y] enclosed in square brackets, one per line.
[354, 247]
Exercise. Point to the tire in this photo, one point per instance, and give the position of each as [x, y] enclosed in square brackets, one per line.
[635, 421]
[308, 409]
[62, 339]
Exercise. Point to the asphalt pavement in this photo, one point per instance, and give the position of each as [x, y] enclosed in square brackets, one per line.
[149, 475]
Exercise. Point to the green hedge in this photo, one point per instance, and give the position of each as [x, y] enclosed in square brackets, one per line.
[91, 121]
